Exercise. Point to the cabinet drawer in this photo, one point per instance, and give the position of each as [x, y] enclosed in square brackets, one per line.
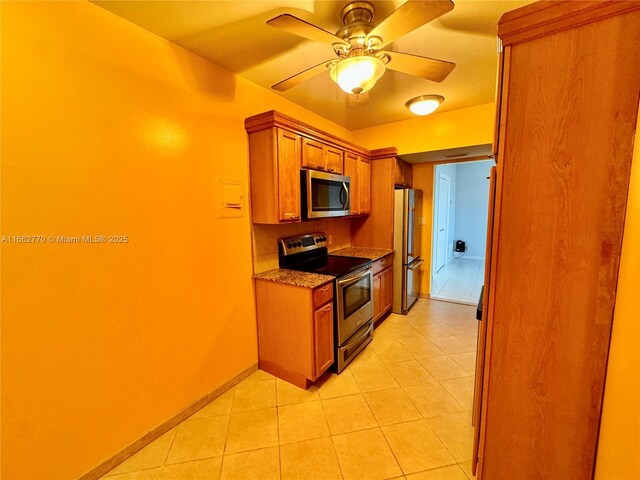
[382, 263]
[322, 295]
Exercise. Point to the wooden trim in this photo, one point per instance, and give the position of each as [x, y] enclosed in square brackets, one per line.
[482, 329]
[499, 84]
[489, 305]
[137, 445]
[287, 375]
[477, 158]
[501, 111]
[273, 118]
[383, 153]
[548, 17]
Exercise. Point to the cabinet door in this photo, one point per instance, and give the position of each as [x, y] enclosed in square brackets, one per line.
[333, 159]
[386, 295]
[377, 297]
[398, 174]
[407, 174]
[323, 338]
[313, 154]
[351, 170]
[364, 181]
[288, 176]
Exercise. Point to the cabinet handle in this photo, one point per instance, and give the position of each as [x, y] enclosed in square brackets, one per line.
[330, 170]
[320, 167]
[293, 216]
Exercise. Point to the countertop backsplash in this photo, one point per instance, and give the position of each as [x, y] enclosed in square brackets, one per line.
[265, 238]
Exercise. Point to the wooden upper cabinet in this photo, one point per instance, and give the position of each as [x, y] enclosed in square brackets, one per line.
[351, 170]
[275, 161]
[364, 182]
[313, 154]
[359, 170]
[333, 157]
[403, 175]
[320, 156]
[280, 146]
[288, 176]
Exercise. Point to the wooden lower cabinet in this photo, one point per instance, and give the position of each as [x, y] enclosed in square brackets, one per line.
[295, 330]
[323, 333]
[382, 286]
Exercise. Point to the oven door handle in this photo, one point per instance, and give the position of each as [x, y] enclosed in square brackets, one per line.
[354, 277]
[359, 339]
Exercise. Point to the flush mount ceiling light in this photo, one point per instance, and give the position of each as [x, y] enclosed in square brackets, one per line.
[424, 104]
[357, 74]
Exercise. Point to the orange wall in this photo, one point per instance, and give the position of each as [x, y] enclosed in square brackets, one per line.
[456, 128]
[619, 442]
[110, 130]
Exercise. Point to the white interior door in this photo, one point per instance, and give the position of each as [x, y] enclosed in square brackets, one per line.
[444, 194]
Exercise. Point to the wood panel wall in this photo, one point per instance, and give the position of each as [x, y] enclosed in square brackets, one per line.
[571, 112]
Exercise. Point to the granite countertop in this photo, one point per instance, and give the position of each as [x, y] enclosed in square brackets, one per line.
[364, 252]
[294, 277]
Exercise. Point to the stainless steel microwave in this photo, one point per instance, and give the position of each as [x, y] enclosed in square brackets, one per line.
[325, 194]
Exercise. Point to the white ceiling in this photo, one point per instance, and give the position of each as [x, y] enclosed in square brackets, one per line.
[234, 34]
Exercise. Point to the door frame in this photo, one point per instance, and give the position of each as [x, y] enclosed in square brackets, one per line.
[434, 233]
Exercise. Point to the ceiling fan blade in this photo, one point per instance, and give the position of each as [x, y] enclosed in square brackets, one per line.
[299, 27]
[423, 67]
[303, 76]
[411, 15]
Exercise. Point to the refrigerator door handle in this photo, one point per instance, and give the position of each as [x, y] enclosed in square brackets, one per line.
[410, 231]
[415, 265]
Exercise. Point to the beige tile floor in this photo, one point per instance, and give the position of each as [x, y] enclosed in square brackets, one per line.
[402, 409]
[460, 280]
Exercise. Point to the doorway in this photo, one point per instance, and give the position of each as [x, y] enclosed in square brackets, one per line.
[442, 221]
[461, 193]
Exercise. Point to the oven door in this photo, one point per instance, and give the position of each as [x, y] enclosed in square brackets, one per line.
[327, 195]
[355, 302]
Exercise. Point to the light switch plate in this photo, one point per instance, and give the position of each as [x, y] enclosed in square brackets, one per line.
[230, 197]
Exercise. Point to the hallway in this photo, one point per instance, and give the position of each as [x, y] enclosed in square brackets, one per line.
[459, 281]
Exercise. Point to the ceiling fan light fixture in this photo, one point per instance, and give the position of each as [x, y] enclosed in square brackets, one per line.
[357, 74]
[424, 104]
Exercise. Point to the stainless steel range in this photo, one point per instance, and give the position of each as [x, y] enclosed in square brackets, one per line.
[352, 288]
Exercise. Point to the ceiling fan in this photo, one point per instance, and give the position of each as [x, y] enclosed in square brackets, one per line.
[360, 45]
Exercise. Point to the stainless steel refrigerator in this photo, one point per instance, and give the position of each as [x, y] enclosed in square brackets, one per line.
[406, 243]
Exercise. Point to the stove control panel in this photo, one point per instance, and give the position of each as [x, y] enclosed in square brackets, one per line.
[302, 243]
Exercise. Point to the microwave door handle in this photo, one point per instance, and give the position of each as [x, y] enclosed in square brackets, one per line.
[345, 202]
